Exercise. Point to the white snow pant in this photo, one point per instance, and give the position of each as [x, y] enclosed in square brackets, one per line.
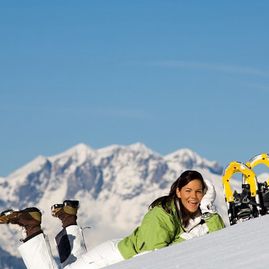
[36, 252]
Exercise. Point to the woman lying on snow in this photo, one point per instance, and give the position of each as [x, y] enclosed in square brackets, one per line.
[185, 213]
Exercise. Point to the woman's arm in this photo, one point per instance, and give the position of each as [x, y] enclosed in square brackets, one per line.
[214, 222]
[156, 231]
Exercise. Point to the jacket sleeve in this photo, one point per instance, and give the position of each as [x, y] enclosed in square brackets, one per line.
[156, 230]
[214, 222]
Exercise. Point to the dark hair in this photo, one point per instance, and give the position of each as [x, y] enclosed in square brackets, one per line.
[181, 181]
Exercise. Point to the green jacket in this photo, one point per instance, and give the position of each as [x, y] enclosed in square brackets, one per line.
[160, 229]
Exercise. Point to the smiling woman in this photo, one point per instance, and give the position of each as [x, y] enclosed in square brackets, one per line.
[188, 193]
[186, 212]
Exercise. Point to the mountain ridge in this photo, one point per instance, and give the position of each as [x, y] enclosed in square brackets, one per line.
[87, 150]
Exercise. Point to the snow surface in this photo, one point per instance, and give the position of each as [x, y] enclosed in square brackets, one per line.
[244, 245]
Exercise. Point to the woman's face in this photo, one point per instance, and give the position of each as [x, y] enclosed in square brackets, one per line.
[191, 195]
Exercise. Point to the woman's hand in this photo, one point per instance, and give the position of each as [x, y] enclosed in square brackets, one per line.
[197, 231]
[207, 201]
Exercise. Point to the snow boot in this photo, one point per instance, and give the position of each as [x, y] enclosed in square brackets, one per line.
[66, 212]
[28, 218]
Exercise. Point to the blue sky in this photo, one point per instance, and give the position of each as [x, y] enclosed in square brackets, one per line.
[170, 74]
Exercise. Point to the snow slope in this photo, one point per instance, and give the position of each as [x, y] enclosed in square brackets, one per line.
[241, 246]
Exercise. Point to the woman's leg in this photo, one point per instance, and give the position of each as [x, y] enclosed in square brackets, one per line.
[105, 254]
[35, 250]
[74, 255]
[70, 244]
[101, 256]
[36, 253]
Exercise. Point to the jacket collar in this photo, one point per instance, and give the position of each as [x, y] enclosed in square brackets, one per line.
[192, 222]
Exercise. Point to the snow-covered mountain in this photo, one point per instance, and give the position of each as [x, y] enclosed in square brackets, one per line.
[115, 186]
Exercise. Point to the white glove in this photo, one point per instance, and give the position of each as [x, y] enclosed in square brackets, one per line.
[207, 201]
[186, 236]
[197, 231]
